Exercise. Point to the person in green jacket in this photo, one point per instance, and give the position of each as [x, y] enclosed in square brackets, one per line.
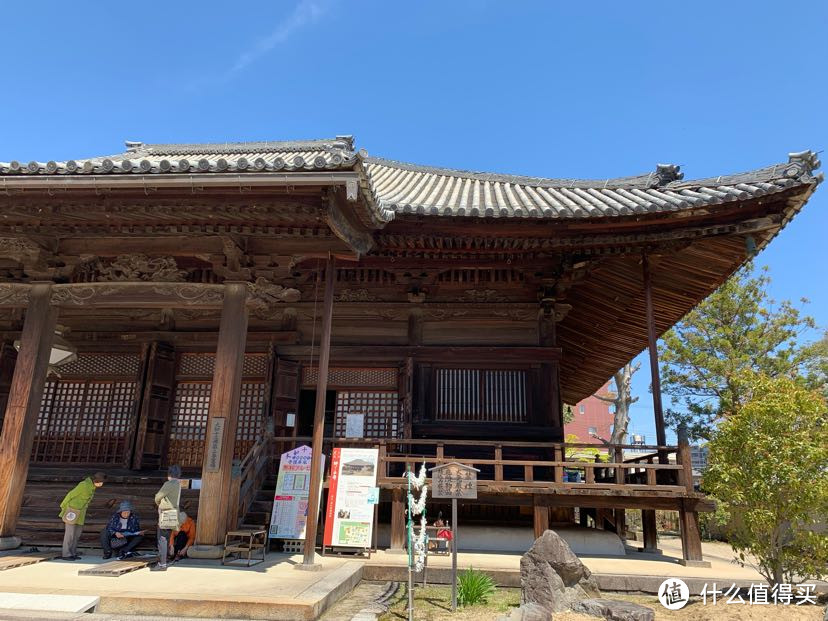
[167, 498]
[75, 503]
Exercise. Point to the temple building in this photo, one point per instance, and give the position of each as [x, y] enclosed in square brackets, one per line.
[254, 294]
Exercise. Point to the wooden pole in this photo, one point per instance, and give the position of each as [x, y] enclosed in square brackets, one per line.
[23, 406]
[661, 436]
[319, 417]
[222, 419]
[453, 554]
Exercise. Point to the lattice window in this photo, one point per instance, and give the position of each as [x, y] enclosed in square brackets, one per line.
[499, 396]
[102, 365]
[379, 409]
[251, 417]
[353, 377]
[84, 422]
[189, 421]
[202, 365]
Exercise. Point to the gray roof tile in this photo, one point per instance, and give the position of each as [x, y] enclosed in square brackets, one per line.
[400, 188]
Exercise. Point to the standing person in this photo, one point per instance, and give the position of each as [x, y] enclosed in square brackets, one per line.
[123, 532]
[73, 513]
[167, 499]
[183, 538]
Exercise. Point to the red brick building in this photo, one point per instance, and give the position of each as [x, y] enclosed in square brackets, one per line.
[591, 417]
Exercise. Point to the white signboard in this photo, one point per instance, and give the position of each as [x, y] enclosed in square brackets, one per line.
[349, 517]
[290, 501]
[355, 425]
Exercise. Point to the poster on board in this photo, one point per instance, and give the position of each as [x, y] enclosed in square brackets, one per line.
[290, 500]
[349, 516]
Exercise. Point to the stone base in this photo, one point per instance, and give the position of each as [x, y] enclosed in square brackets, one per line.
[310, 567]
[687, 563]
[652, 551]
[9, 543]
[205, 551]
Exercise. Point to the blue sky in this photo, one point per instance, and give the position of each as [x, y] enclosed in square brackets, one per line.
[594, 90]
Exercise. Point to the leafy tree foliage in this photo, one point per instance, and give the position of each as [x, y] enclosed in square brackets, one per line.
[737, 329]
[769, 468]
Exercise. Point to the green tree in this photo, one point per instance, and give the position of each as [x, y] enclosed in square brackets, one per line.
[768, 466]
[737, 329]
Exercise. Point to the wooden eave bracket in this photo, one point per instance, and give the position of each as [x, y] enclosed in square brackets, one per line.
[345, 225]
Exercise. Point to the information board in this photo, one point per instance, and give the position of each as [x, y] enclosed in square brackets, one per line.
[349, 517]
[290, 501]
[454, 480]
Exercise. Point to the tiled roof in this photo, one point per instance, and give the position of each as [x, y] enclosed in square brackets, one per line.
[399, 188]
[310, 155]
[409, 189]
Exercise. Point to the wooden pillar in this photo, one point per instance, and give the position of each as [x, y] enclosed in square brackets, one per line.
[8, 355]
[541, 517]
[397, 520]
[691, 550]
[23, 406]
[661, 436]
[648, 524]
[222, 419]
[319, 418]
[621, 523]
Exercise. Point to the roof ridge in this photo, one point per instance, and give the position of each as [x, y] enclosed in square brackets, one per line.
[641, 179]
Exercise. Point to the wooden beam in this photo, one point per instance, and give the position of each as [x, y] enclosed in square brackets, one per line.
[222, 419]
[23, 407]
[346, 227]
[316, 473]
[661, 437]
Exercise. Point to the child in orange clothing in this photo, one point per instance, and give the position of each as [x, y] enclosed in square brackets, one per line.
[183, 538]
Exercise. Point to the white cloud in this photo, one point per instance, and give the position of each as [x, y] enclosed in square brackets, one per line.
[306, 12]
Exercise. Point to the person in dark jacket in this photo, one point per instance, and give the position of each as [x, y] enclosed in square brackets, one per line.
[123, 532]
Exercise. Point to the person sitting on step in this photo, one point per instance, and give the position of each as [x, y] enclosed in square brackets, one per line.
[183, 538]
[123, 533]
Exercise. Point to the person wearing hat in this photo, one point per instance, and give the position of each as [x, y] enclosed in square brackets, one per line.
[123, 532]
[73, 513]
[169, 519]
[183, 538]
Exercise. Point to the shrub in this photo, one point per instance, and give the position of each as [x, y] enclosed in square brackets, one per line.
[768, 470]
[473, 587]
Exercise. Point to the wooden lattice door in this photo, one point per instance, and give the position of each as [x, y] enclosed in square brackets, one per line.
[87, 416]
[192, 403]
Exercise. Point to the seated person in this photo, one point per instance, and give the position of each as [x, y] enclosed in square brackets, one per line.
[183, 538]
[443, 531]
[123, 532]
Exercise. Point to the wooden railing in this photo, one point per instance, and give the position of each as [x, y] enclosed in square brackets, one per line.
[501, 466]
[247, 478]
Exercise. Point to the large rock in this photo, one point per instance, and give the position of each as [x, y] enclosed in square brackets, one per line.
[552, 577]
[614, 610]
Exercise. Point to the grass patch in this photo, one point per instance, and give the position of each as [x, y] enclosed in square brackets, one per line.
[433, 603]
